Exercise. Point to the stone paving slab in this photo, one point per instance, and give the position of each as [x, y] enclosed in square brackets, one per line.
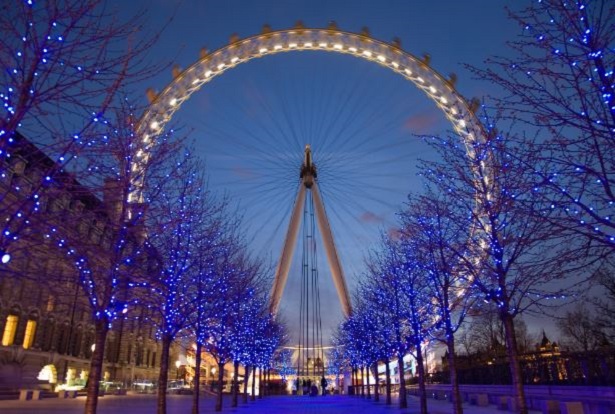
[181, 404]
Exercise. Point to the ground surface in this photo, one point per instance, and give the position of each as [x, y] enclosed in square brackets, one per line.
[181, 404]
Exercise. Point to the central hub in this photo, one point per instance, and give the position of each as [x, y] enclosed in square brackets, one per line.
[308, 169]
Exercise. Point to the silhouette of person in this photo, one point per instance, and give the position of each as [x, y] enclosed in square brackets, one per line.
[323, 383]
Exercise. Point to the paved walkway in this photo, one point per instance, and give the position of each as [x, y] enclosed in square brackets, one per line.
[181, 404]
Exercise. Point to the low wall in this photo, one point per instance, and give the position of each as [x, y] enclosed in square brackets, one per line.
[596, 400]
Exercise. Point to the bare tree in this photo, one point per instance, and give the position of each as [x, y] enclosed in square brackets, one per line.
[239, 276]
[605, 301]
[518, 259]
[581, 331]
[437, 239]
[484, 334]
[180, 221]
[559, 82]
[389, 293]
[64, 64]
[361, 339]
[396, 312]
[220, 230]
[110, 249]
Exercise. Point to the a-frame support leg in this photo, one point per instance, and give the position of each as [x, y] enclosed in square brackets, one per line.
[332, 256]
[281, 273]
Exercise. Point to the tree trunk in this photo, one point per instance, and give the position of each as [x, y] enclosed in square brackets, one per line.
[96, 365]
[254, 383]
[403, 401]
[246, 376]
[363, 382]
[515, 368]
[377, 382]
[260, 383]
[163, 377]
[235, 383]
[197, 378]
[421, 370]
[388, 381]
[355, 382]
[220, 386]
[452, 365]
[369, 392]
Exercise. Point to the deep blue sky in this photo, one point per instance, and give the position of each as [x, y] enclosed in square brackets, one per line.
[251, 123]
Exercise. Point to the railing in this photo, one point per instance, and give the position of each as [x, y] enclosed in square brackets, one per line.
[594, 399]
[362, 390]
[591, 368]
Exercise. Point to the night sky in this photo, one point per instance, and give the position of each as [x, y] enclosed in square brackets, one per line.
[362, 120]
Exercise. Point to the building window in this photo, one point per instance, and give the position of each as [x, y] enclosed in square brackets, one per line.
[139, 356]
[76, 341]
[48, 332]
[9, 330]
[28, 338]
[51, 304]
[64, 339]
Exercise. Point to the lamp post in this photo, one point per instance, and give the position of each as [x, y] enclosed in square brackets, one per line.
[177, 365]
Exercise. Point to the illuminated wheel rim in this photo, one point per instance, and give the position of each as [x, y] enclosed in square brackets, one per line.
[440, 90]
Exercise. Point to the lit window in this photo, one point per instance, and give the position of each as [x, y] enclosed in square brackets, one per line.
[29, 336]
[9, 330]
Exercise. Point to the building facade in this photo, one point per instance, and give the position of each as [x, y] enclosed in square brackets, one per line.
[46, 325]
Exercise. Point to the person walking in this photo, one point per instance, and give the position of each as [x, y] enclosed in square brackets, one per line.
[323, 383]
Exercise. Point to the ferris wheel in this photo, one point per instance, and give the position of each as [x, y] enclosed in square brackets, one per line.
[266, 126]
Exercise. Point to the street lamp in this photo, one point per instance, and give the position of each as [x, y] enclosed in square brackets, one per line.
[177, 365]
